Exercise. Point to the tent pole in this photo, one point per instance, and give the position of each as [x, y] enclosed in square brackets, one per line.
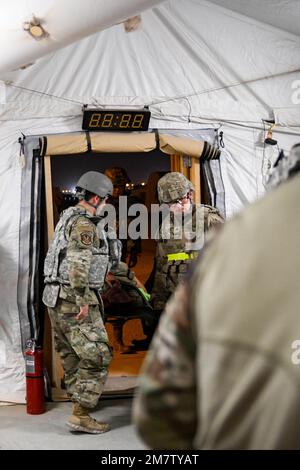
[49, 197]
[195, 179]
[56, 365]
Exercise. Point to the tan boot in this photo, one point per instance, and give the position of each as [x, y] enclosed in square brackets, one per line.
[81, 421]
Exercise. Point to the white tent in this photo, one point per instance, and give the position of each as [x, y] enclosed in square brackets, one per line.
[200, 66]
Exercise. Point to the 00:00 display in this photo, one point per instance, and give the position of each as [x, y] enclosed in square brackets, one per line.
[122, 121]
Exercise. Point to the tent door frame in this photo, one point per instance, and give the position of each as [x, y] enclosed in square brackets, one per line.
[177, 163]
[190, 170]
[55, 363]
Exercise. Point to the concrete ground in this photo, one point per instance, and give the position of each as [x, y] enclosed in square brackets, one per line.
[48, 431]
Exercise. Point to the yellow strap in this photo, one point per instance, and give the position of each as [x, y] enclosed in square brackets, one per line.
[180, 256]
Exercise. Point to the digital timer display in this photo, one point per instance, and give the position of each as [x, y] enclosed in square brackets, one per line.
[115, 120]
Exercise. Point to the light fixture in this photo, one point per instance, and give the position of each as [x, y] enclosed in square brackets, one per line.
[35, 29]
[133, 24]
[269, 136]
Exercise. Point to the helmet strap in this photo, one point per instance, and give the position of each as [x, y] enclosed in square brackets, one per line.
[86, 203]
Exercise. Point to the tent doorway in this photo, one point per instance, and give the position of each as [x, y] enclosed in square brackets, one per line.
[182, 152]
[149, 153]
[143, 169]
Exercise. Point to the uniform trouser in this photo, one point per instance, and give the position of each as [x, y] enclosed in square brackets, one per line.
[84, 351]
[166, 279]
[147, 315]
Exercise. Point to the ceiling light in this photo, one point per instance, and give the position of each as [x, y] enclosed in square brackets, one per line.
[35, 29]
[133, 24]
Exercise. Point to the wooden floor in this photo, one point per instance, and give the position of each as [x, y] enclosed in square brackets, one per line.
[130, 364]
[127, 364]
[144, 265]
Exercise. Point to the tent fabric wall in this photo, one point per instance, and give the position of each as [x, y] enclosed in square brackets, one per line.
[119, 142]
[88, 17]
[128, 143]
[65, 144]
[187, 65]
[171, 144]
[16, 201]
[101, 143]
[30, 219]
[11, 359]
[14, 250]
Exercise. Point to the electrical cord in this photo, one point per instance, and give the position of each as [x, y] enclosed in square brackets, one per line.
[44, 94]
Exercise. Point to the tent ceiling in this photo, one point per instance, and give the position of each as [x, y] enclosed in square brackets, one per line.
[282, 14]
[204, 72]
[87, 17]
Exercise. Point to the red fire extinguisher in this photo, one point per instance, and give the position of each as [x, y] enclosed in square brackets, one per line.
[35, 398]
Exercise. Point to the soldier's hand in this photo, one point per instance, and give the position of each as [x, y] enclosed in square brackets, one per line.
[83, 313]
[110, 277]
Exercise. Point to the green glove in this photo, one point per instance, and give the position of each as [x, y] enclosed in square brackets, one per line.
[145, 294]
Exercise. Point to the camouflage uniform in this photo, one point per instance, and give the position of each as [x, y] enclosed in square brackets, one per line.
[169, 272]
[223, 368]
[285, 167]
[165, 404]
[137, 302]
[75, 268]
[119, 179]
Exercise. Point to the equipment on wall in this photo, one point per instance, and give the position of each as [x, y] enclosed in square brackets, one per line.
[279, 158]
[269, 136]
[35, 400]
[133, 24]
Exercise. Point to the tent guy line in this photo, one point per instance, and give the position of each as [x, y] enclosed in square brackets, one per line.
[169, 99]
[226, 87]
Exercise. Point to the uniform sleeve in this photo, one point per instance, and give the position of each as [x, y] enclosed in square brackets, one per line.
[213, 222]
[79, 257]
[165, 405]
[193, 234]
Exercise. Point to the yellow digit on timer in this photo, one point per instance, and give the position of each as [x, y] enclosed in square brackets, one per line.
[125, 120]
[138, 120]
[107, 120]
[94, 121]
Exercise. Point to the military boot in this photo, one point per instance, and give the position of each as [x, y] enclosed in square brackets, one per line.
[141, 344]
[81, 421]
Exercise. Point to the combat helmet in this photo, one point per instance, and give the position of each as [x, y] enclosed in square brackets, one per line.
[96, 183]
[117, 175]
[173, 186]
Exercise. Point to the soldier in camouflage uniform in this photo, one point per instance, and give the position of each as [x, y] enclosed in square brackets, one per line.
[119, 178]
[223, 368]
[176, 248]
[75, 268]
[129, 299]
